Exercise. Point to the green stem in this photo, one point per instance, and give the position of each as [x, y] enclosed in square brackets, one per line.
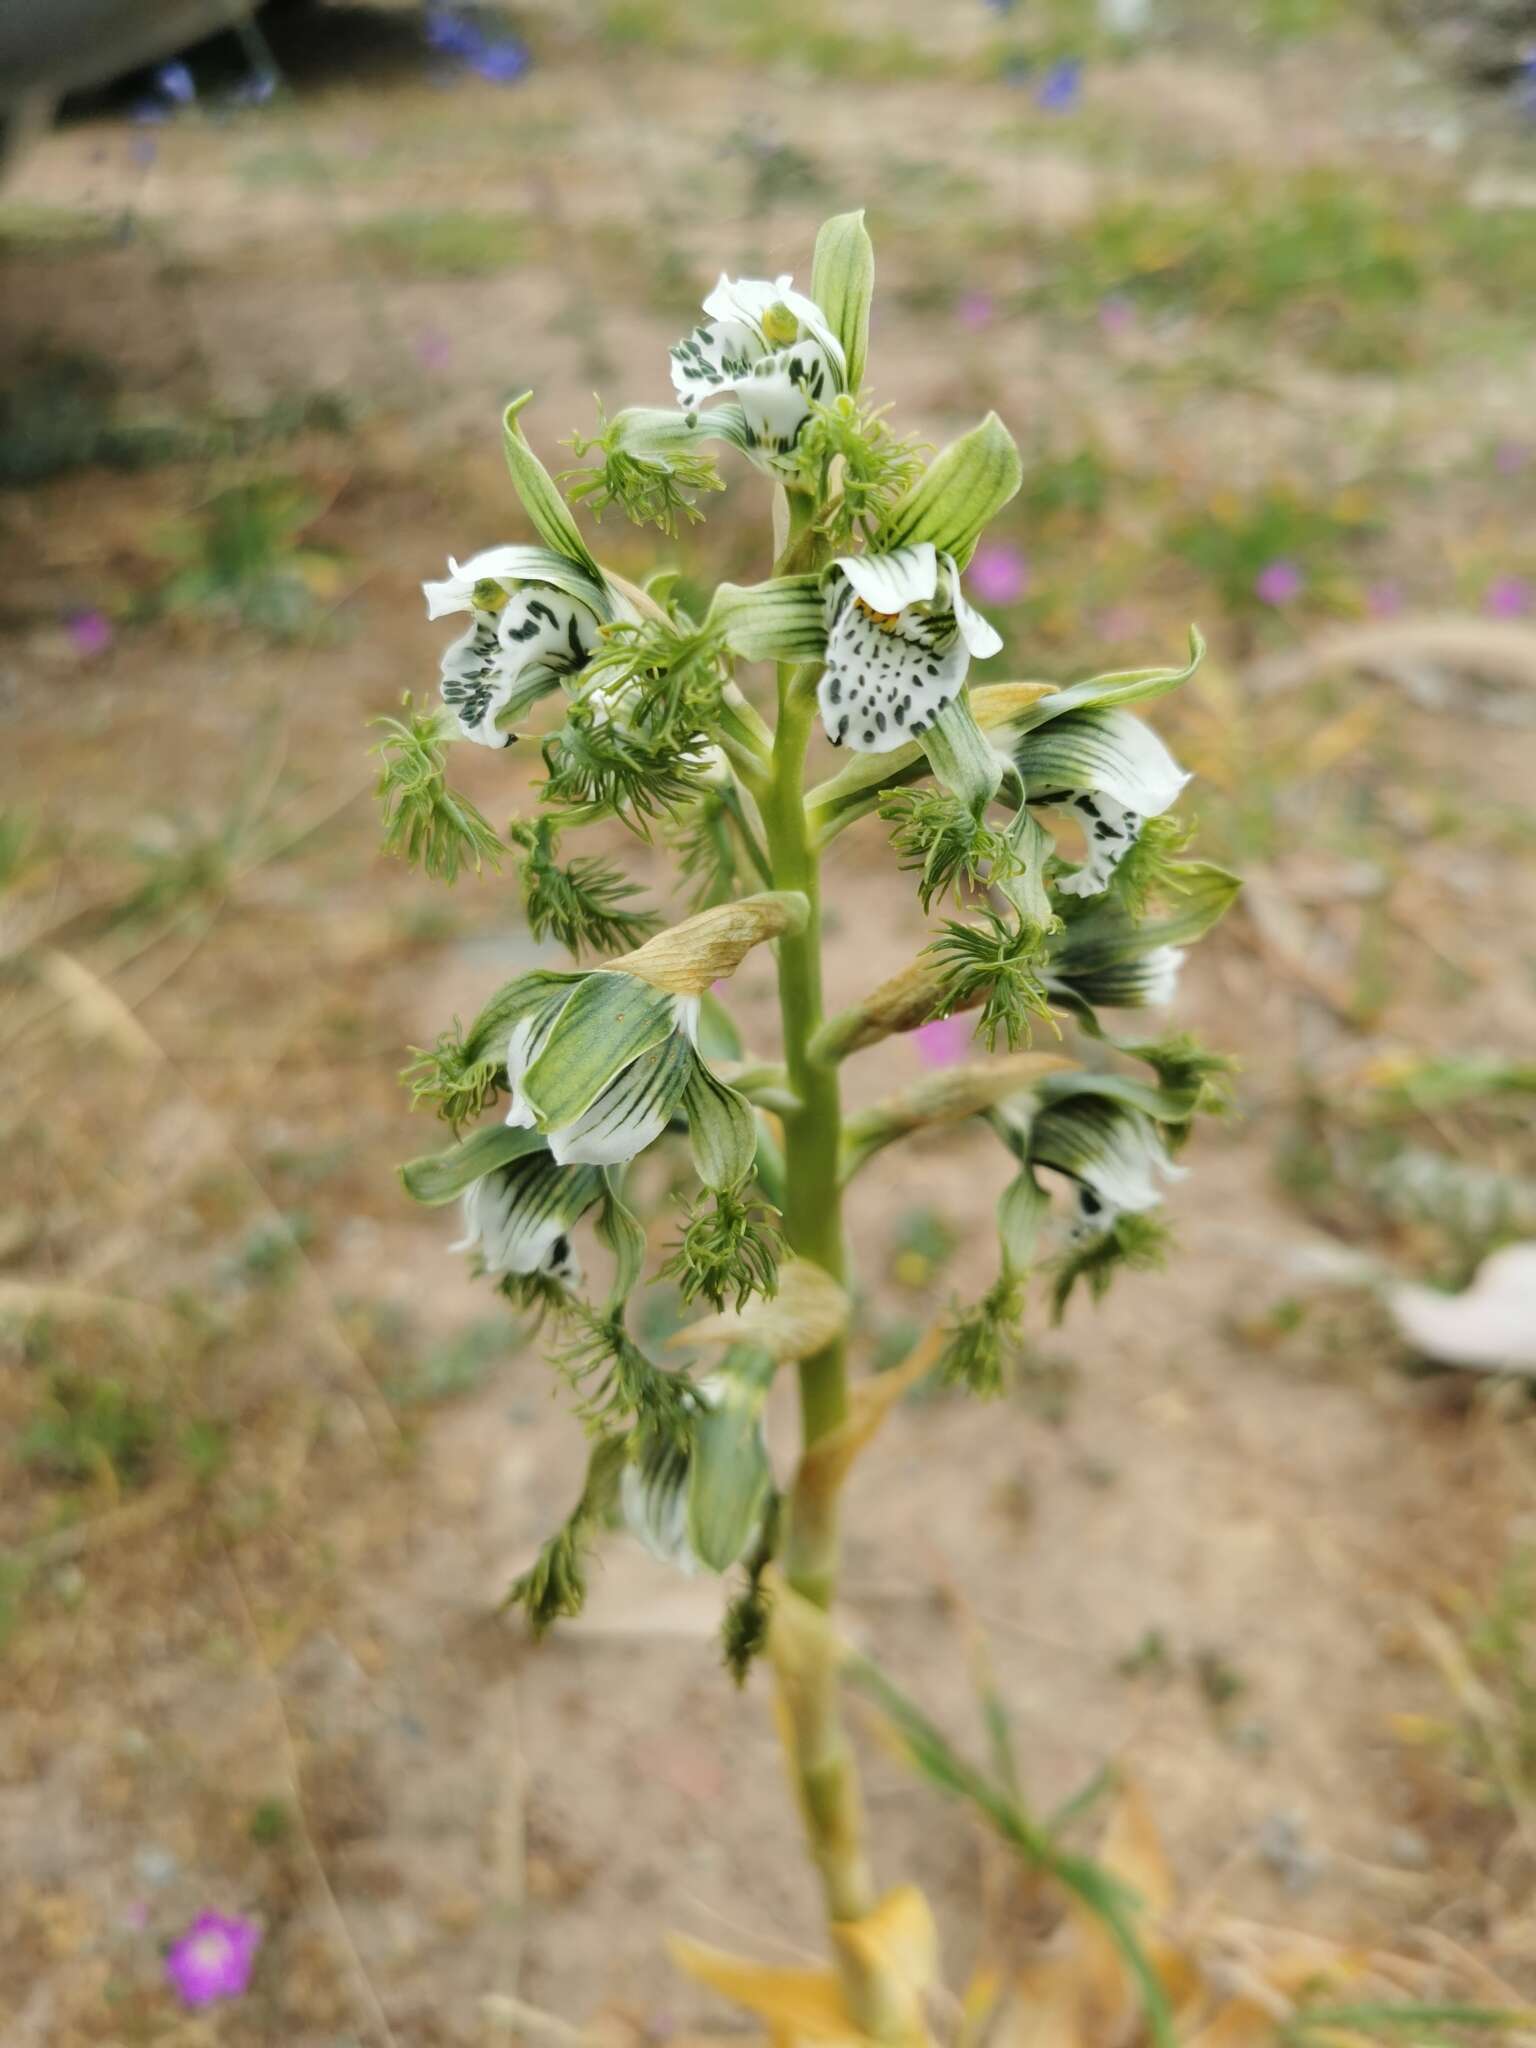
[828, 1786]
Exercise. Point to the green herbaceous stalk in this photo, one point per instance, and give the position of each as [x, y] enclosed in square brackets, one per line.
[1038, 821]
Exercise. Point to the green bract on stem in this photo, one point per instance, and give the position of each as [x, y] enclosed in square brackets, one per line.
[1037, 825]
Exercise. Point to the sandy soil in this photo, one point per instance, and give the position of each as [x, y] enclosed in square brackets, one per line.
[463, 1813]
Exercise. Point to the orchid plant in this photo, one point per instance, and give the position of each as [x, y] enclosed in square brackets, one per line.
[1039, 817]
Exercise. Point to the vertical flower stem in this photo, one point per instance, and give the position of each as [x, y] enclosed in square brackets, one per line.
[813, 1224]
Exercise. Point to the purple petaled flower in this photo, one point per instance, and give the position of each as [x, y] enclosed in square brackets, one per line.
[1510, 457]
[174, 82]
[90, 632]
[1116, 313]
[1277, 583]
[213, 1959]
[1507, 597]
[435, 349]
[943, 1041]
[1061, 86]
[502, 62]
[254, 90]
[976, 310]
[1384, 600]
[449, 32]
[998, 573]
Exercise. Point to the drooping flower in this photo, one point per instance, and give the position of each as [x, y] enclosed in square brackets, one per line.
[900, 637]
[213, 1959]
[600, 1063]
[1115, 1156]
[1141, 981]
[534, 623]
[770, 348]
[1112, 771]
[520, 1216]
[696, 1502]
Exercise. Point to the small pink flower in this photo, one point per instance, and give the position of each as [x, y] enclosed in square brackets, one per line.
[434, 349]
[943, 1041]
[1278, 583]
[90, 632]
[1384, 600]
[1507, 597]
[998, 573]
[1510, 457]
[213, 1959]
[1116, 314]
[975, 311]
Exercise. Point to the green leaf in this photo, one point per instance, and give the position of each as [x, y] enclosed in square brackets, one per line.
[843, 283]
[548, 511]
[963, 759]
[965, 487]
[1104, 936]
[729, 1479]
[608, 1023]
[1121, 686]
[721, 1130]
[783, 620]
[441, 1175]
[619, 1229]
[1024, 882]
[1021, 1209]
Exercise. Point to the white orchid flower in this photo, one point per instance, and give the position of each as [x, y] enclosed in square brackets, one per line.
[770, 348]
[697, 1502]
[900, 639]
[1112, 771]
[1114, 1156]
[1141, 981]
[520, 1216]
[644, 1068]
[534, 623]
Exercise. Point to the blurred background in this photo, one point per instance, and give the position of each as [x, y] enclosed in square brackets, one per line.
[1252, 284]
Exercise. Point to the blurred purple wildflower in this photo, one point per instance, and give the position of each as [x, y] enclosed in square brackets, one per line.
[1510, 457]
[143, 150]
[501, 59]
[976, 310]
[998, 574]
[254, 90]
[1061, 86]
[1525, 88]
[213, 1959]
[1117, 313]
[1507, 597]
[1278, 582]
[502, 62]
[434, 348]
[174, 82]
[1384, 600]
[90, 632]
[942, 1041]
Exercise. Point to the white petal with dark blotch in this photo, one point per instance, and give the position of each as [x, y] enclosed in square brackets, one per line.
[519, 1218]
[653, 1497]
[889, 583]
[539, 632]
[979, 634]
[456, 593]
[713, 359]
[1109, 833]
[886, 680]
[525, 1042]
[748, 300]
[777, 394]
[632, 1111]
